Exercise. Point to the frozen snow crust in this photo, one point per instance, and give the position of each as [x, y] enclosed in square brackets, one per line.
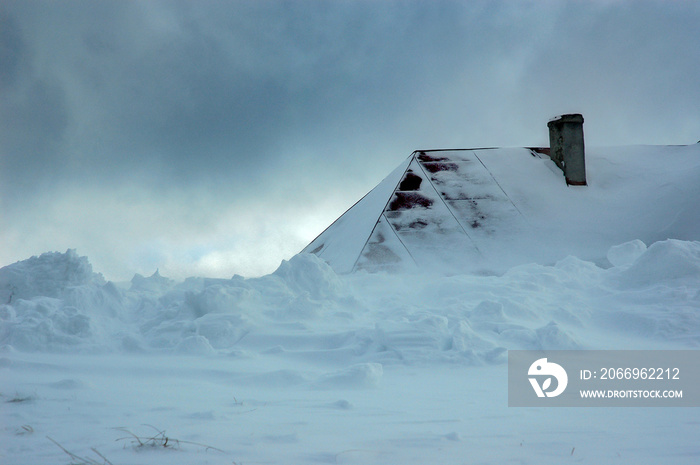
[304, 311]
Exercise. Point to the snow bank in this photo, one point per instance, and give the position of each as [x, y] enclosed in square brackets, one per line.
[627, 253]
[306, 273]
[48, 275]
[304, 311]
[410, 364]
[664, 263]
[55, 302]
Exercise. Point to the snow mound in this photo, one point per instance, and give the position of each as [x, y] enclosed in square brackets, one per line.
[359, 323]
[308, 273]
[155, 283]
[47, 275]
[625, 254]
[56, 302]
[664, 262]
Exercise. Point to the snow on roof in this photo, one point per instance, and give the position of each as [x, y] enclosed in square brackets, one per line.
[487, 210]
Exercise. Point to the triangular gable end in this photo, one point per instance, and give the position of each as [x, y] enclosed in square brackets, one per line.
[342, 243]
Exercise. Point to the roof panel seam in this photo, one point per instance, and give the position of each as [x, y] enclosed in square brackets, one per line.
[449, 209]
[408, 165]
[498, 184]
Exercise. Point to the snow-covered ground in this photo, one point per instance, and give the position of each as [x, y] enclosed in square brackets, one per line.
[305, 366]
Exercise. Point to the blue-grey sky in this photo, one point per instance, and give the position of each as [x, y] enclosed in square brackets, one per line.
[219, 137]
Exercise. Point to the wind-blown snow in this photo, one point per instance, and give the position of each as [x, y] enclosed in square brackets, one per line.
[55, 302]
[306, 366]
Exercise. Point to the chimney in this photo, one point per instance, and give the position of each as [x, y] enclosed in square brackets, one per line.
[566, 147]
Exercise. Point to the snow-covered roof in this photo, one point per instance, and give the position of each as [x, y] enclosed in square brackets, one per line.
[490, 209]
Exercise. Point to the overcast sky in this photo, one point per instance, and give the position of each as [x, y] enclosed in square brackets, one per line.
[212, 138]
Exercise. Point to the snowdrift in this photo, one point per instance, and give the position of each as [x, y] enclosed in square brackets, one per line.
[304, 311]
[305, 366]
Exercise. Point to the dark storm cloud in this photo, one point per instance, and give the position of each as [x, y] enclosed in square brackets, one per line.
[143, 87]
[115, 111]
[199, 89]
[12, 50]
[33, 114]
[630, 67]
